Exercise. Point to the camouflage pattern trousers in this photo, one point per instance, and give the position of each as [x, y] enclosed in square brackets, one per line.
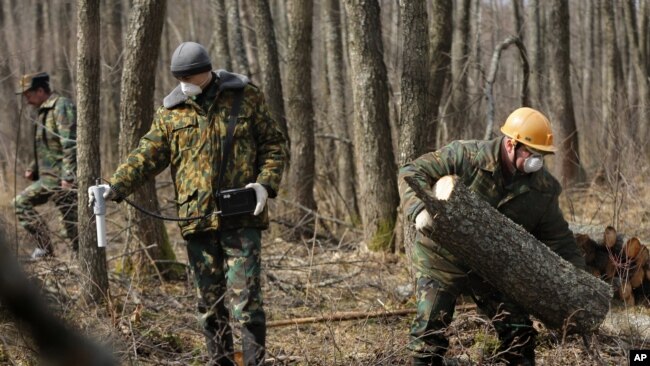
[38, 193]
[227, 267]
[440, 280]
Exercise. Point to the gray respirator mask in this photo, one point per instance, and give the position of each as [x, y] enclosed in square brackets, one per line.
[533, 163]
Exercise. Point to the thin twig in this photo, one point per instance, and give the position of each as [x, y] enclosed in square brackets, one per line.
[126, 254]
[321, 217]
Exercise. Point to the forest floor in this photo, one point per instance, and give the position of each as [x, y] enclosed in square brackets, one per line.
[148, 321]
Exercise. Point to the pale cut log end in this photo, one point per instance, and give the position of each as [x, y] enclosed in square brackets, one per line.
[444, 186]
[610, 237]
[632, 248]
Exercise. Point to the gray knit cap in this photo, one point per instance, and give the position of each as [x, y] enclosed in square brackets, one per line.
[190, 58]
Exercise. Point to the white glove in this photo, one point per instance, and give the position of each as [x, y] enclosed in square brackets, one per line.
[423, 221]
[261, 194]
[108, 194]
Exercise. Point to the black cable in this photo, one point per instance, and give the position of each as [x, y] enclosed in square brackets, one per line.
[166, 218]
[158, 216]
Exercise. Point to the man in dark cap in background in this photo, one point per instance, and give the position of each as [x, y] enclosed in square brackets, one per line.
[54, 169]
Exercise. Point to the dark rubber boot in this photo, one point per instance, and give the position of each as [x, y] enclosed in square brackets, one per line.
[434, 360]
[253, 343]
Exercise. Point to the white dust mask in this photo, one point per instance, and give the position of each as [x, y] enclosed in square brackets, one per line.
[190, 89]
[533, 163]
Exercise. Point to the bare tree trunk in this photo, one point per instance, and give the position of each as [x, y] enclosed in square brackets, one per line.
[535, 54]
[300, 111]
[220, 37]
[476, 75]
[640, 125]
[63, 63]
[38, 54]
[279, 12]
[623, 45]
[612, 80]
[271, 81]
[19, 64]
[589, 58]
[440, 31]
[491, 76]
[375, 160]
[326, 191]
[250, 39]
[191, 19]
[415, 107]
[568, 166]
[167, 46]
[10, 110]
[236, 39]
[414, 83]
[136, 113]
[8, 24]
[459, 113]
[644, 32]
[92, 259]
[337, 107]
[513, 260]
[113, 47]
[390, 19]
[48, 37]
[517, 18]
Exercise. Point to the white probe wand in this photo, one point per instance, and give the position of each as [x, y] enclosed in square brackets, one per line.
[96, 194]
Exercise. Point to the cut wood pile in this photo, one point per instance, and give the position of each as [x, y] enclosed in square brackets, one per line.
[623, 263]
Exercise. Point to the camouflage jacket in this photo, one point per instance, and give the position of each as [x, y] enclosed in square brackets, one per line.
[187, 134]
[55, 139]
[531, 200]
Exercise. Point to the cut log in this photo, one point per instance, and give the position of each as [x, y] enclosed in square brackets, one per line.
[597, 256]
[610, 237]
[625, 266]
[637, 260]
[512, 260]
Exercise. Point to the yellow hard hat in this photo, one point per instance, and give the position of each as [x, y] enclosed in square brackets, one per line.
[531, 128]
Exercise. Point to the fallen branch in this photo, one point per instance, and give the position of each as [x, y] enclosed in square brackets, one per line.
[305, 231]
[351, 315]
[327, 282]
[283, 359]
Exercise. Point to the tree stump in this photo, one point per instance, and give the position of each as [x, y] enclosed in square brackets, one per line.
[512, 260]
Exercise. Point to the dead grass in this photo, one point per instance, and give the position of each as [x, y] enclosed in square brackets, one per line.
[147, 322]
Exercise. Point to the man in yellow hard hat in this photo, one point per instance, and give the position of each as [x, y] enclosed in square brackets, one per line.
[507, 172]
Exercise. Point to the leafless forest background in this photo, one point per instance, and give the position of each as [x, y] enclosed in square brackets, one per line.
[361, 87]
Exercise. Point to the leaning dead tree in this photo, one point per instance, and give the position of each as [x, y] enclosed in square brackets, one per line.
[512, 260]
[57, 343]
[492, 74]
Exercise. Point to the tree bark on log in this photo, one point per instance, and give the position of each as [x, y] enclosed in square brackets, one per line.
[512, 260]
